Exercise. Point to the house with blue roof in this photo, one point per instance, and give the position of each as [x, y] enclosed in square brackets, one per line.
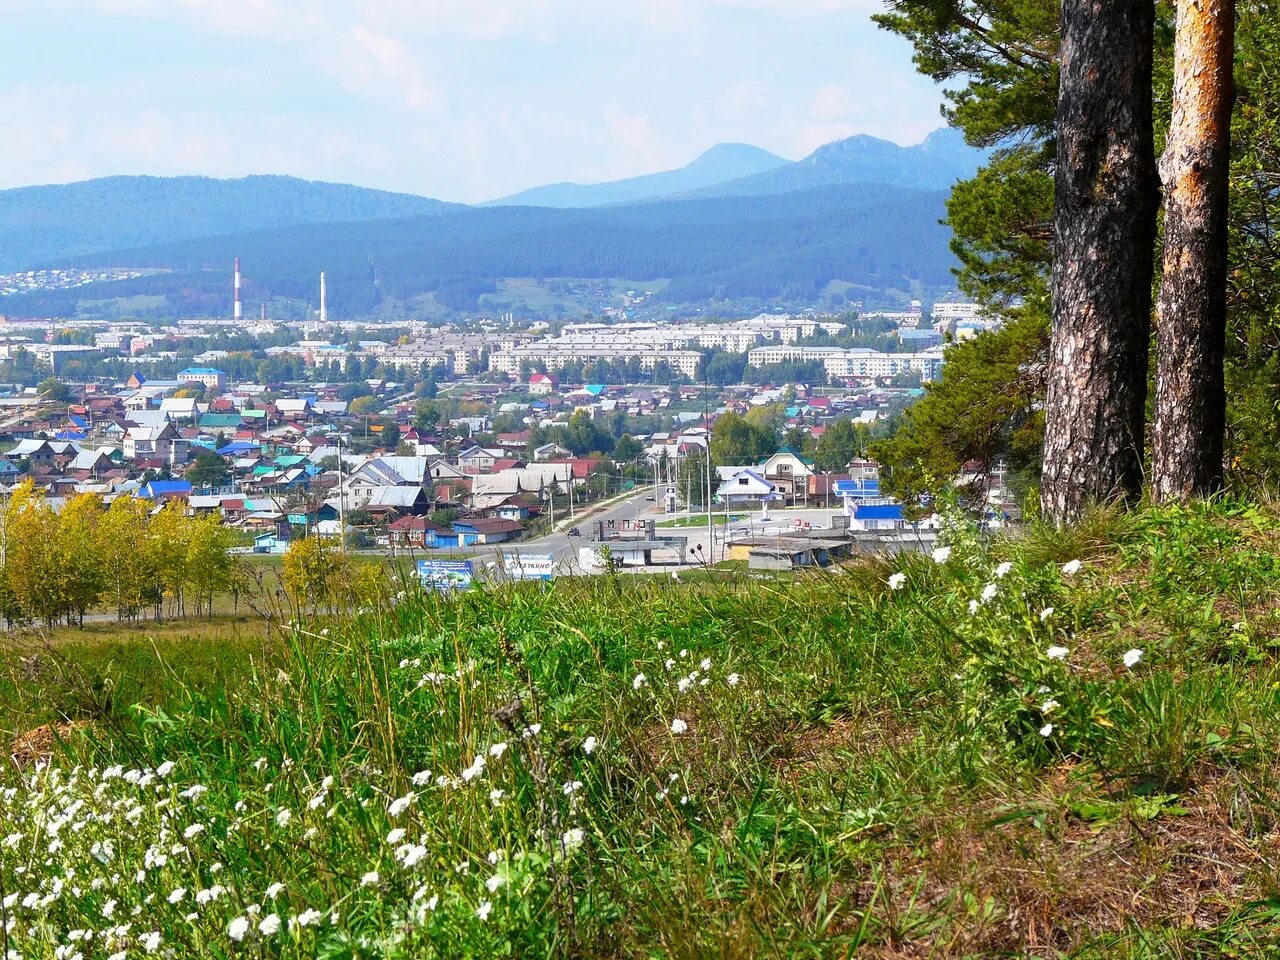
[165, 490]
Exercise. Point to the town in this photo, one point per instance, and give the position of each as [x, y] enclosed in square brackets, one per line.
[749, 435]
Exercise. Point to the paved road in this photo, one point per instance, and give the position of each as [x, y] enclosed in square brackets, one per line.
[565, 548]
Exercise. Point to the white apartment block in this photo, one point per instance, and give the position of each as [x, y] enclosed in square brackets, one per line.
[858, 362]
[554, 354]
[956, 311]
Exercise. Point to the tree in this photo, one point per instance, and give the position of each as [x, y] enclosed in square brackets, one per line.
[55, 390]
[1191, 402]
[627, 448]
[426, 418]
[839, 444]
[208, 470]
[363, 405]
[128, 566]
[79, 569]
[207, 567]
[985, 407]
[741, 440]
[582, 436]
[390, 436]
[1105, 200]
[30, 555]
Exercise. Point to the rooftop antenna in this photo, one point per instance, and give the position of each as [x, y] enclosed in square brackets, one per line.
[236, 313]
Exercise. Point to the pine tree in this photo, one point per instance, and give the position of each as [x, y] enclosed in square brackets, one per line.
[1191, 401]
[1105, 203]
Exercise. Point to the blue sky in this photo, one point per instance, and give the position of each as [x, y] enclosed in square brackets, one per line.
[459, 99]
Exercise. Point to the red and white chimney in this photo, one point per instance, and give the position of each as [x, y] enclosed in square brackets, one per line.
[237, 313]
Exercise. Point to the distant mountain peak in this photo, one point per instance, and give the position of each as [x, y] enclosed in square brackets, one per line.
[721, 162]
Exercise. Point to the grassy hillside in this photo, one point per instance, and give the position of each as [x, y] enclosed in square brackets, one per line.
[786, 247]
[908, 758]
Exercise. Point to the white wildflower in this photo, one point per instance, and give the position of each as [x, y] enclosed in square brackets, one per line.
[941, 554]
[678, 726]
[1046, 730]
[1057, 653]
[270, 925]
[589, 745]
[639, 681]
[1071, 567]
[484, 910]
[897, 581]
[1002, 571]
[1132, 657]
[1045, 614]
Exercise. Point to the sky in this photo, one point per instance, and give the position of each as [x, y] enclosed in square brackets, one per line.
[464, 100]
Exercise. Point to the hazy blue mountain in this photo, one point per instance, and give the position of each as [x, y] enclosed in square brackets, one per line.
[50, 223]
[787, 247]
[725, 161]
[935, 164]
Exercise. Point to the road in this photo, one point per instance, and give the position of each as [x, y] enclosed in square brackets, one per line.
[565, 548]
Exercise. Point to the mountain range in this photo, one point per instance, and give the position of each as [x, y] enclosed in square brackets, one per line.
[736, 226]
[723, 162]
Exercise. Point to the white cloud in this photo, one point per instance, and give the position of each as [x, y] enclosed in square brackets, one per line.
[396, 70]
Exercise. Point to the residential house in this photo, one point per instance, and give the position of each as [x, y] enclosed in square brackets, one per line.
[477, 459]
[155, 443]
[473, 531]
[184, 409]
[399, 501]
[550, 451]
[411, 531]
[542, 384]
[745, 486]
[788, 472]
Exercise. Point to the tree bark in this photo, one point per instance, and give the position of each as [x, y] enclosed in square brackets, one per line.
[1191, 400]
[1105, 203]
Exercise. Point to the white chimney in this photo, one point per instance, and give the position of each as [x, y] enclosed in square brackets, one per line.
[324, 306]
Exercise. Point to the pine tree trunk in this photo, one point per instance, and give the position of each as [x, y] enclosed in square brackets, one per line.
[1191, 401]
[1105, 202]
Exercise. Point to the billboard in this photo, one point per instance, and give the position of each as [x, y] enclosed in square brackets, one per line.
[445, 574]
[529, 566]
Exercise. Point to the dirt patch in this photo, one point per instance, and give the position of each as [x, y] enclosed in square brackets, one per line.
[1051, 882]
[41, 743]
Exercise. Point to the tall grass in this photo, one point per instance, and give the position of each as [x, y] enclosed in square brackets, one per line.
[627, 768]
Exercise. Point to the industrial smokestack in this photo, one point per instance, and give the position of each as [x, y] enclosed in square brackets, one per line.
[237, 313]
[324, 306]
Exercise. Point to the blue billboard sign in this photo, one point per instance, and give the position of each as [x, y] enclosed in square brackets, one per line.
[445, 575]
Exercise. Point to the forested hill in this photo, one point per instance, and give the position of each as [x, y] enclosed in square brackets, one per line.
[48, 224]
[786, 247]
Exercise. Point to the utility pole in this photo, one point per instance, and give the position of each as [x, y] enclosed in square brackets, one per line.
[342, 503]
[706, 422]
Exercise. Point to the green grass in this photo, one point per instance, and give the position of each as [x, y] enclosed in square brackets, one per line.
[718, 519]
[864, 769]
